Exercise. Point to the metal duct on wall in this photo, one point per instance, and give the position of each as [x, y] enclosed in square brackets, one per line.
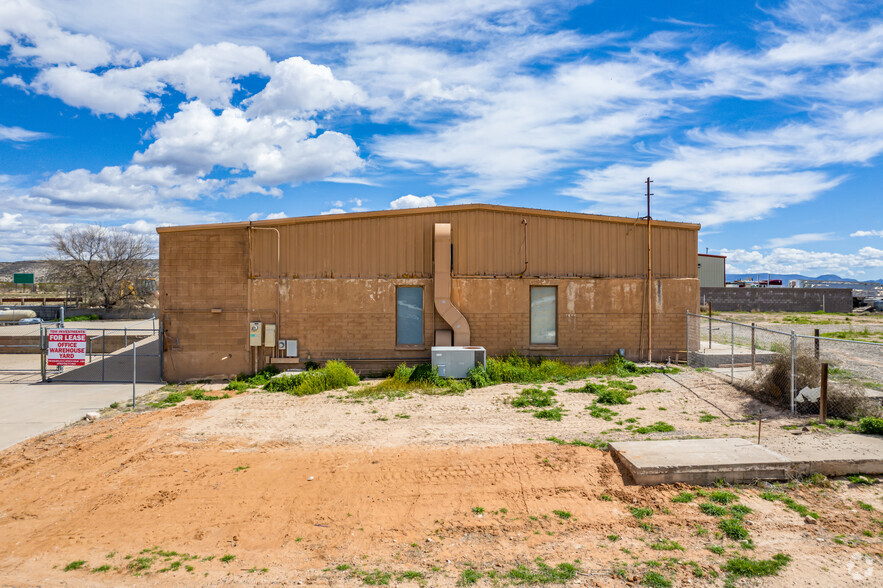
[442, 285]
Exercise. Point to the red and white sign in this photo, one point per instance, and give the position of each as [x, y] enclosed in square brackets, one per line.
[66, 347]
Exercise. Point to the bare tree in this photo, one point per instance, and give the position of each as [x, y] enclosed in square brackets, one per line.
[105, 264]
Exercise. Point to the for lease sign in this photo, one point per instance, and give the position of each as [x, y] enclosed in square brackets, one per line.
[66, 347]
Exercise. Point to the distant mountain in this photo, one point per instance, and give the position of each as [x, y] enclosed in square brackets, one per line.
[786, 277]
[41, 269]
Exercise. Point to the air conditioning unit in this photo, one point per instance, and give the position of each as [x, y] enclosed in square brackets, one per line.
[455, 362]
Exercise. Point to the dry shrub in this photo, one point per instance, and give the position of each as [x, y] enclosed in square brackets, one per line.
[847, 400]
[773, 384]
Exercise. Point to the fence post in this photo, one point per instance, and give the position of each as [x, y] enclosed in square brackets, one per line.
[823, 395]
[161, 335]
[42, 356]
[134, 373]
[125, 337]
[793, 354]
[732, 353]
[753, 354]
[816, 342]
[709, 324]
[688, 339]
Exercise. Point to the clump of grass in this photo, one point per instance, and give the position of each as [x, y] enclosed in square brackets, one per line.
[258, 380]
[865, 506]
[377, 578]
[100, 569]
[469, 576]
[335, 374]
[755, 568]
[478, 510]
[657, 427]
[740, 510]
[410, 575]
[543, 573]
[139, 564]
[733, 528]
[563, 514]
[606, 497]
[75, 565]
[722, 496]
[601, 412]
[228, 558]
[575, 442]
[621, 385]
[871, 426]
[712, 509]
[550, 414]
[684, 497]
[716, 549]
[614, 396]
[655, 580]
[641, 512]
[666, 545]
[789, 503]
[707, 418]
[534, 397]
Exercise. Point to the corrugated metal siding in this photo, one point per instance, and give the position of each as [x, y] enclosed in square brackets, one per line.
[486, 243]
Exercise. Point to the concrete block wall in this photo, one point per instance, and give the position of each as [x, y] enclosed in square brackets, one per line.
[778, 299]
[355, 319]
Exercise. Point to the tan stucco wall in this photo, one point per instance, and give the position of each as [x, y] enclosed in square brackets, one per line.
[355, 320]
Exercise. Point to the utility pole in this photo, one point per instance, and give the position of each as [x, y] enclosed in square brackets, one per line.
[649, 281]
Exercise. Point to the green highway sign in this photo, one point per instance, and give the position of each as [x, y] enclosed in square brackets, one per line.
[22, 278]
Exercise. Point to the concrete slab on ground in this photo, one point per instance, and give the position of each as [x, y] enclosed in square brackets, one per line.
[28, 410]
[832, 455]
[699, 461]
[704, 461]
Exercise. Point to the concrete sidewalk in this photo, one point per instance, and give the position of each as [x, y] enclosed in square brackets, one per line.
[28, 410]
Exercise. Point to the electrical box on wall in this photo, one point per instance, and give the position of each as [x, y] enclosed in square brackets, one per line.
[270, 335]
[289, 346]
[254, 334]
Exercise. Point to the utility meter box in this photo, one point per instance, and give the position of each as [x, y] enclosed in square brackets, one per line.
[455, 362]
[289, 346]
[270, 335]
[254, 334]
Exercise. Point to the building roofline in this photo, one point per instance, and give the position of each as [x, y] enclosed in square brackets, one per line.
[427, 210]
[710, 255]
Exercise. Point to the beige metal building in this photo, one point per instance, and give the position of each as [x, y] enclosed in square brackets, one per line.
[712, 271]
[380, 288]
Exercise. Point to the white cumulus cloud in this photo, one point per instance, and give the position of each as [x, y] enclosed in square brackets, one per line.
[874, 233]
[411, 201]
[298, 87]
[277, 150]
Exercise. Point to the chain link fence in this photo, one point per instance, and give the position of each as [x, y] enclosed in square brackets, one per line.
[784, 369]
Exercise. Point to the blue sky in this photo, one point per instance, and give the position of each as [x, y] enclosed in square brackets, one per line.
[761, 120]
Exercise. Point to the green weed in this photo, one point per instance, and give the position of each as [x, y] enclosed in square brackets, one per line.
[563, 514]
[755, 568]
[684, 497]
[641, 512]
[469, 577]
[657, 427]
[733, 528]
[335, 374]
[655, 580]
[543, 573]
[666, 545]
[74, 565]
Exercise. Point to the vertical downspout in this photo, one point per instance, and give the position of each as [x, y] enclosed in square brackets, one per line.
[442, 284]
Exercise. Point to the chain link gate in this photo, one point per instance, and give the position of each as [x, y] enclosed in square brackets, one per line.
[117, 355]
[784, 368]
